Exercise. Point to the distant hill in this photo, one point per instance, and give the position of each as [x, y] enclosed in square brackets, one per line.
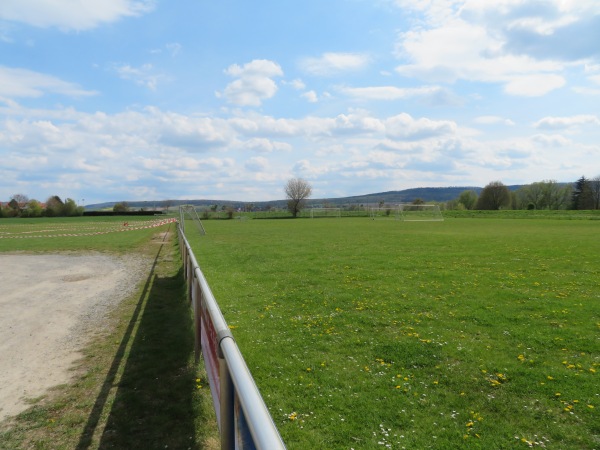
[427, 194]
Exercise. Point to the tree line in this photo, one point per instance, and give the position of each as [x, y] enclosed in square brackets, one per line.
[21, 206]
[584, 194]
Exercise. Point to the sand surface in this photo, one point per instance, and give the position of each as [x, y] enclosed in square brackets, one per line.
[50, 304]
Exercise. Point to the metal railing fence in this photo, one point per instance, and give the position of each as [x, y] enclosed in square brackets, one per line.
[243, 418]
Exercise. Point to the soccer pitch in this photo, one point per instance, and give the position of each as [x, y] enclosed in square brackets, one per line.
[467, 333]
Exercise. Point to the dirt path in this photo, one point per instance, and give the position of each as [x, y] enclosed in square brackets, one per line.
[49, 305]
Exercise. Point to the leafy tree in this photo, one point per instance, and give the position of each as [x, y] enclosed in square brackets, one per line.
[121, 207]
[229, 212]
[468, 199]
[582, 197]
[494, 196]
[13, 209]
[71, 209]
[34, 209]
[547, 194]
[54, 206]
[595, 191]
[297, 190]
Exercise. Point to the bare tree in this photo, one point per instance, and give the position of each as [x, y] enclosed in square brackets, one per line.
[167, 204]
[18, 203]
[297, 190]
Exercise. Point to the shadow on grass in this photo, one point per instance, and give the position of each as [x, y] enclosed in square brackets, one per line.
[154, 404]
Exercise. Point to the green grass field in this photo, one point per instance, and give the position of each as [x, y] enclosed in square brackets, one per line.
[381, 334]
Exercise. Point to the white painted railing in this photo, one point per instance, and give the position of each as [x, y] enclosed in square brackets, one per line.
[243, 418]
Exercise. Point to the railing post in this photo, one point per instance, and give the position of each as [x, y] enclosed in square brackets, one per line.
[227, 407]
[191, 279]
[197, 309]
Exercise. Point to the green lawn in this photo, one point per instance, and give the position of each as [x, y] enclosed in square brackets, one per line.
[114, 234]
[382, 334]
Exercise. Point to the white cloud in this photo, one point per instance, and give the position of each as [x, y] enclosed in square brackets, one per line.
[16, 82]
[534, 85]
[404, 127]
[334, 63]
[264, 145]
[553, 140]
[511, 42]
[310, 96]
[145, 75]
[195, 134]
[174, 49]
[389, 92]
[257, 164]
[297, 84]
[555, 123]
[71, 14]
[254, 82]
[460, 50]
[493, 120]
[126, 153]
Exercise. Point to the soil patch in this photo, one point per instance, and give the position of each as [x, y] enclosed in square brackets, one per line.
[51, 305]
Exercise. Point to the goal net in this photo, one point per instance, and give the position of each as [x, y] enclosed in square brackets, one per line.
[420, 213]
[189, 212]
[325, 212]
[385, 212]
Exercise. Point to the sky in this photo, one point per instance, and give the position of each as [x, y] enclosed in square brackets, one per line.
[132, 100]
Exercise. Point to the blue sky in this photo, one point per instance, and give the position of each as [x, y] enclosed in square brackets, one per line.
[156, 99]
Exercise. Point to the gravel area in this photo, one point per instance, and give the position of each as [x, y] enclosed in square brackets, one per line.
[51, 304]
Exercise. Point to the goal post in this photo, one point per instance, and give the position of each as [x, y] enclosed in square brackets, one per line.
[189, 212]
[420, 213]
[325, 212]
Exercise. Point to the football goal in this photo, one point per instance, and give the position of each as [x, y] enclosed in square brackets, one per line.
[325, 212]
[420, 213]
[189, 212]
[385, 212]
